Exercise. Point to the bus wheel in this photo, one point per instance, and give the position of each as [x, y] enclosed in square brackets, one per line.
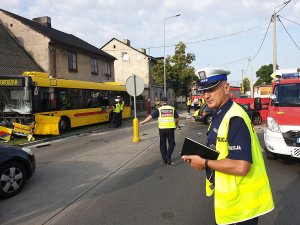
[64, 125]
[270, 155]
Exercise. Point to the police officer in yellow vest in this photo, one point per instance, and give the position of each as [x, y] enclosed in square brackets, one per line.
[122, 104]
[188, 104]
[238, 178]
[167, 122]
[117, 113]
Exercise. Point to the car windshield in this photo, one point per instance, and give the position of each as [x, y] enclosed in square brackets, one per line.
[287, 95]
[15, 100]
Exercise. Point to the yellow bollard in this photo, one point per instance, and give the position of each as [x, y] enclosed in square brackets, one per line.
[136, 137]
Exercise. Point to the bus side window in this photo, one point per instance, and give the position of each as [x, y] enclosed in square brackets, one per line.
[45, 101]
[63, 101]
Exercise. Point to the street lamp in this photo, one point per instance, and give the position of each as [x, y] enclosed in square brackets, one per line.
[165, 85]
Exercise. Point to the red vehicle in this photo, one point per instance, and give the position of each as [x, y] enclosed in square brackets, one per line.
[282, 131]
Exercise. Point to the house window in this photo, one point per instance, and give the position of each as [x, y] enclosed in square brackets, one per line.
[124, 56]
[94, 66]
[72, 61]
[107, 70]
[114, 46]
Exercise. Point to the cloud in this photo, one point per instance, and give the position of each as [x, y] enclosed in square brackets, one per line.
[142, 22]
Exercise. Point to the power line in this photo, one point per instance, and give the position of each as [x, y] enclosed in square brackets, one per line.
[233, 61]
[249, 60]
[262, 41]
[288, 33]
[204, 40]
[290, 20]
[284, 5]
[228, 35]
[215, 38]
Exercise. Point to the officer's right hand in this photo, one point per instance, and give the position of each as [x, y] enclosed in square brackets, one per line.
[195, 160]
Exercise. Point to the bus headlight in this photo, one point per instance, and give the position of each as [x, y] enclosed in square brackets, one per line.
[272, 125]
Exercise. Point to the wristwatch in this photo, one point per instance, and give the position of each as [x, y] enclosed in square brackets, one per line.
[206, 163]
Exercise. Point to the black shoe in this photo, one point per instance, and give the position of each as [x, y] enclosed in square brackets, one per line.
[165, 162]
[170, 163]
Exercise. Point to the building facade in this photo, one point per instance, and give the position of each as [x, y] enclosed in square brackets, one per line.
[131, 61]
[59, 54]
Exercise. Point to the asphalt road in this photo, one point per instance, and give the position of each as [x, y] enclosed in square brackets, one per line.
[102, 177]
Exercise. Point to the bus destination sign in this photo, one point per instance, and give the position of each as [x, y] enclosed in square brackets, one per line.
[13, 82]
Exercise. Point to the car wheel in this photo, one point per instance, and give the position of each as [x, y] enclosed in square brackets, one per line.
[257, 120]
[12, 179]
[208, 119]
[270, 155]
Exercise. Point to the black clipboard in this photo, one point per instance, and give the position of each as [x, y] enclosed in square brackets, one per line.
[192, 147]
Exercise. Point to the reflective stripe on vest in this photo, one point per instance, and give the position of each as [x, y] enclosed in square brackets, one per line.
[166, 117]
[239, 198]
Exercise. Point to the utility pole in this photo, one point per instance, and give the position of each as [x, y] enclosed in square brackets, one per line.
[242, 86]
[251, 84]
[274, 18]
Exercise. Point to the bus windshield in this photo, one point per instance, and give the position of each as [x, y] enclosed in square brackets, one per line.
[287, 94]
[15, 99]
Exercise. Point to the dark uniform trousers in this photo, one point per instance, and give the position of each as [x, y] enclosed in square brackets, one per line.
[117, 119]
[166, 135]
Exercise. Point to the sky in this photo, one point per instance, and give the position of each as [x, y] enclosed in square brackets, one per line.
[232, 34]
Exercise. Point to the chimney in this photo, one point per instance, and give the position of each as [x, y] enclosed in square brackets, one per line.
[127, 42]
[143, 50]
[44, 20]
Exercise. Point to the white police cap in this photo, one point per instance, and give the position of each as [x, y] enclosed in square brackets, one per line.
[211, 77]
[117, 100]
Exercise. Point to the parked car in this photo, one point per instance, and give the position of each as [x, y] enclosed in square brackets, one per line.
[204, 114]
[253, 114]
[17, 164]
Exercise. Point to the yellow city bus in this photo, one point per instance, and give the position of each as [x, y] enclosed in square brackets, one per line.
[52, 106]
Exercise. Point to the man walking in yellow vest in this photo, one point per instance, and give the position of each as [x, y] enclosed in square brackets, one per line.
[122, 104]
[238, 178]
[167, 122]
[188, 105]
[117, 113]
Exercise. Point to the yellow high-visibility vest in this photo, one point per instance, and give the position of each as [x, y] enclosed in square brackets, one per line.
[166, 117]
[189, 102]
[240, 198]
[117, 108]
[122, 105]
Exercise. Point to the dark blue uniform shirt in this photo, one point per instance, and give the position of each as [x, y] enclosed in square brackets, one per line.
[239, 139]
[238, 134]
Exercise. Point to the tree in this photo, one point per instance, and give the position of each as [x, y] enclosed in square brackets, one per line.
[264, 75]
[179, 72]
